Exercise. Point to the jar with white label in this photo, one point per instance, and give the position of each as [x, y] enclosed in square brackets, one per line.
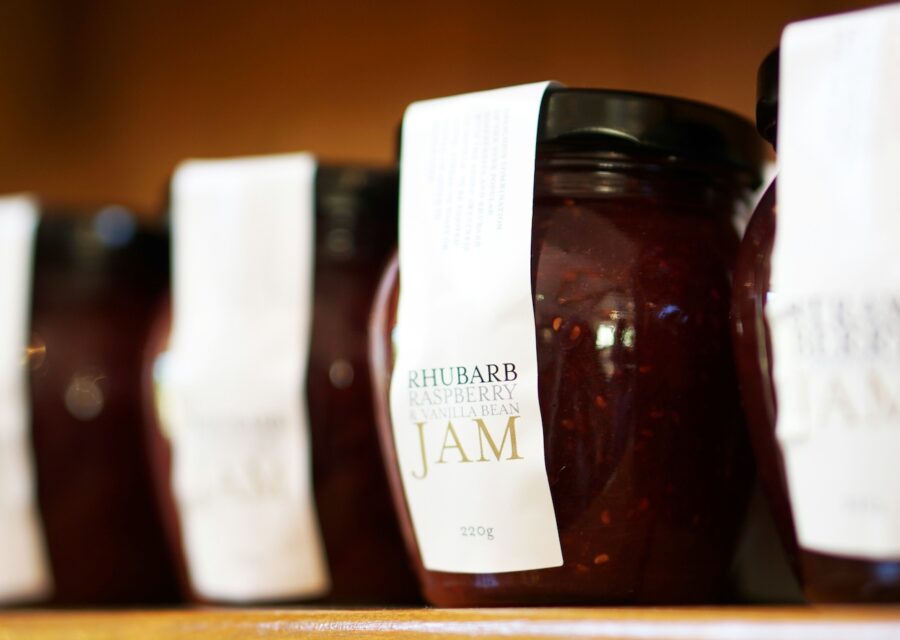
[97, 276]
[360, 558]
[751, 338]
[645, 452]
[826, 577]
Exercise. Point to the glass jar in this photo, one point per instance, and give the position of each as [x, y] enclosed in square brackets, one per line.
[825, 578]
[97, 276]
[356, 228]
[645, 449]
[751, 337]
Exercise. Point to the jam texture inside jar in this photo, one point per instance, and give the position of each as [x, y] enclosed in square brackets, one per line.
[632, 250]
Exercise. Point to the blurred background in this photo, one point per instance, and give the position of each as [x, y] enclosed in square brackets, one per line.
[100, 99]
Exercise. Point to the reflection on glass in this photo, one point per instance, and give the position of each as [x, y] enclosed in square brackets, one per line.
[83, 396]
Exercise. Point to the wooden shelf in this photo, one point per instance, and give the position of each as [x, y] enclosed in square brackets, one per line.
[744, 623]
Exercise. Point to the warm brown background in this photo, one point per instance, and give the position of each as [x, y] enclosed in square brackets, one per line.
[99, 99]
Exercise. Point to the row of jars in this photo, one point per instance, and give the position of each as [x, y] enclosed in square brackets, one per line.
[634, 248]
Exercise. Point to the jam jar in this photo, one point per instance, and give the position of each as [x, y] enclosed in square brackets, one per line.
[645, 448]
[825, 578]
[751, 338]
[355, 231]
[97, 277]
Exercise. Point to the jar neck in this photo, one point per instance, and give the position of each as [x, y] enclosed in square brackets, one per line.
[574, 173]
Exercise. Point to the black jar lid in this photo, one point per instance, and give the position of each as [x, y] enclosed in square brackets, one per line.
[352, 190]
[630, 122]
[109, 238]
[356, 211]
[767, 97]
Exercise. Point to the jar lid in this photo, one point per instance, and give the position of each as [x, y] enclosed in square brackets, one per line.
[110, 237]
[630, 121]
[348, 190]
[356, 211]
[767, 97]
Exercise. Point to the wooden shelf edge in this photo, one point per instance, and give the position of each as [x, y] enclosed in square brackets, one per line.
[708, 623]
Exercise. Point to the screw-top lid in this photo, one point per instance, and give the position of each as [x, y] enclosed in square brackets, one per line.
[111, 238]
[629, 122]
[767, 97]
[356, 211]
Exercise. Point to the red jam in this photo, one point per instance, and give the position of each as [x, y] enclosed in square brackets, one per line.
[753, 355]
[96, 280]
[355, 230]
[645, 449]
[825, 578]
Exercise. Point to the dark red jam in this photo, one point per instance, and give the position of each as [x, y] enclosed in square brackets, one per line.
[96, 281]
[753, 355]
[645, 449]
[825, 578]
[356, 228]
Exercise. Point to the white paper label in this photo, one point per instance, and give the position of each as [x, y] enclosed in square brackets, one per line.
[464, 402]
[835, 308]
[235, 377]
[24, 571]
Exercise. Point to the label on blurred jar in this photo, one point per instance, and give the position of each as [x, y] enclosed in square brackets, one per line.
[464, 397]
[24, 571]
[232, 385]
[834, 310]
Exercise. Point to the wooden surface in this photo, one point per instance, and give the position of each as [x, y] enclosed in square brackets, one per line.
[744, 623]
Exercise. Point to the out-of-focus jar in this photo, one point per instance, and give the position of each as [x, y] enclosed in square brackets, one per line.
[97, 277]
[825, 578]
[355, 230]
[751, 336]
[645, 449]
